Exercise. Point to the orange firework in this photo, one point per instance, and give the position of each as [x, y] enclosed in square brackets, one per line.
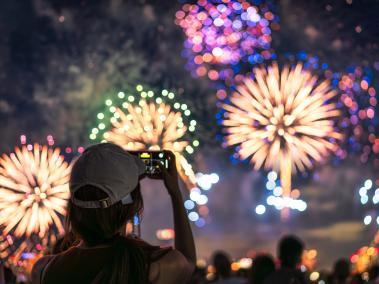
[33, 194]
[282, 120]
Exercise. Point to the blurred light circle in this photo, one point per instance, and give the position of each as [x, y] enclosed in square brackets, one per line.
[260, 209]
[214, 178]
[368, 183]
[272, 175]
[364, 199]
[367, 220]
[270, 185]
[193, 216]
[202, 200]
[189, 204]
[278, 191]
[200, 222]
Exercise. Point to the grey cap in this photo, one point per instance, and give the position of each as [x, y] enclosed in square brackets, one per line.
[110, 168]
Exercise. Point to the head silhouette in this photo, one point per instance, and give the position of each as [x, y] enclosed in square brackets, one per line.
[263, 266]
[290, 250]
[221, 262]
[341, 270]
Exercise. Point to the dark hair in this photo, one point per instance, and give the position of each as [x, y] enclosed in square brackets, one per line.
[221, 262]
[290, 251]
[106, 225]
[263, 266]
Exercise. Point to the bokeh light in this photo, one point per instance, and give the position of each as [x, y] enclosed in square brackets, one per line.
[368, 195]
[221, 34]
[277, 200]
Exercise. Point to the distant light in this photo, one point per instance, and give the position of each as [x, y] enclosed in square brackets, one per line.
[368, 183]
[270, 200]
[214, 178]
[278, 191]
[260, 209]
[245, 262]
[205, 181]
[202, 200]
[171, 95]
[200, 222]
[193, 216]
[272, 175]
[189, 204]
[194, 195]
[165, 234]
[270, 185]
[183, 107]
[189, 149]
[364, 199]
[302, 206]
[314, 276]
[362, 191]
[121, 95]
[377, 220]
[367, 220]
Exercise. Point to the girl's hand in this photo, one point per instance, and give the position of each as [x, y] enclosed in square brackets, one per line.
[170, 175]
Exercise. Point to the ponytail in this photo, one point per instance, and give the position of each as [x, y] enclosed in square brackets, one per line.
[129, 264]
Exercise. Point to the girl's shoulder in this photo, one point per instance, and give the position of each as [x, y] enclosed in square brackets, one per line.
[39, 267]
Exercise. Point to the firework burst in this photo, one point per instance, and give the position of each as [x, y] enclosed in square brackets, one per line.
[282, 120]
[33, 194]
[359, 104]
[225, 33]
[150, 122]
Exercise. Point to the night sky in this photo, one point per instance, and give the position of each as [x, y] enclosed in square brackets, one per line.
[59, 59]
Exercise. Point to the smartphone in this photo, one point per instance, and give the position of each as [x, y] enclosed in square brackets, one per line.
[152, 159]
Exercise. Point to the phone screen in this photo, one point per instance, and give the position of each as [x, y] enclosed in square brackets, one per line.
[152, 159]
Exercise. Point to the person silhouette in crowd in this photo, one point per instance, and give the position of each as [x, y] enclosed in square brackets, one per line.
[263, 266]
[222, 265]
[105, 195]
[374, 274]
[290, 250]
[341, 271]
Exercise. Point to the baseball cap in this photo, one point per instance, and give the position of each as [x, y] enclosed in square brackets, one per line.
[110, 168]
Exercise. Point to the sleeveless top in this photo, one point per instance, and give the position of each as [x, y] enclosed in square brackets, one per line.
[79, 265]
